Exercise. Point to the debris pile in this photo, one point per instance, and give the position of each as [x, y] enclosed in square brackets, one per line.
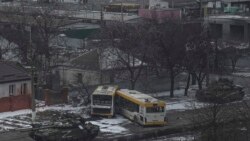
[70, 127]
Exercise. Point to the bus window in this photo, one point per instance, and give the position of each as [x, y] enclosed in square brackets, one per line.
[102, 100]
[128, 105]
[155, 109]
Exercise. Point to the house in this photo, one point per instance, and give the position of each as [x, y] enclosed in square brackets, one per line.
[15, 87]
[97, 66]
[85, 69]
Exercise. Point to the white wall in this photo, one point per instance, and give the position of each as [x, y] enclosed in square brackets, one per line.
[68, 1]
[69, 76]
[4, 88]
[158, 4]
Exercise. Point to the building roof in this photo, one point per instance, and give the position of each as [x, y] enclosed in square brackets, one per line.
[140, 98]
[104, 59]
[229, 17]
[10, 72]
[105, 90]
[89, 61]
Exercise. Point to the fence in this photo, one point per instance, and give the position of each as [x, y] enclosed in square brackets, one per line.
[13, 103]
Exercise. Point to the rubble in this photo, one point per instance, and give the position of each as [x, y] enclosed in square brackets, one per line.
[70, 127]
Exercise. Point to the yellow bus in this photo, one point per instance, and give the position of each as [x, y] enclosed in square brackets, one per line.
[140, 108]
[102, 101]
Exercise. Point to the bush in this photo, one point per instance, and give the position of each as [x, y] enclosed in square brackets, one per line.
[221, 91]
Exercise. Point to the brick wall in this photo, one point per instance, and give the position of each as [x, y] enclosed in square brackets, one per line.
[54, 97]
[13, 103]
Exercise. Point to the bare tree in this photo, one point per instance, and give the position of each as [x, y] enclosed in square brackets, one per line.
[82, 88]
[232, 53]
[243, 112]
[129, 49]
[198, 56]
[210, 118]
[5, 48]
[168, 48]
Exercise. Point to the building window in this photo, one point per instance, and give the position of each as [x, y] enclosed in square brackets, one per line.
[11, 89]
[79, 78]
[24, 88]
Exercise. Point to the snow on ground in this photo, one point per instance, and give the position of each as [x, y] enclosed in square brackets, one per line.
[177, 93]
[112, 125]
[21, 119]
[62, 107]
[183, 105]
[178, 138]
[14, 113]
[41, 109]
[179, 102]
[242, 74]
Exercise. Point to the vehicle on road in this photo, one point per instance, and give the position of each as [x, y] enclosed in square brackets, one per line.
[140, 108]
[102, 101]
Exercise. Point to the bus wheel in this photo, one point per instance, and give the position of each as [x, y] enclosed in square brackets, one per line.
[136, 120]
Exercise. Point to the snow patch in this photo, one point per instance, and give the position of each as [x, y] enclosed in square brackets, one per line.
[14, 113]
[183, 105]
[177, 93]
[242, 74]
[188, 138]
[111, 125]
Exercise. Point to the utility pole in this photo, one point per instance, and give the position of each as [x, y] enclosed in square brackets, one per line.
[33, 83]
[201, 9]
[122, 12]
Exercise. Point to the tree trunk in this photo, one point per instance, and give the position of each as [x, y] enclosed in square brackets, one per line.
[132, 80]
[187, 86]
[200, 84]
[132, 83]
[193, 79]
[172, 77]
[215, 132]
[207, 71]
[1, 56]
[207, 79]
[216, 62]
[233, 65]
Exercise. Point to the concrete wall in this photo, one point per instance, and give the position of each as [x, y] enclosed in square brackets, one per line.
[231, 29]
[4, 88]
[158, 4]
[69, 76]
[161, 15]
[52, 97]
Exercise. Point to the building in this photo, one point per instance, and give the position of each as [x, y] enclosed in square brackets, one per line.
[85, 69]
[15, 87]
[229, 27]
[92, 68]
[158, 4]
[237, 5]
[161, 14]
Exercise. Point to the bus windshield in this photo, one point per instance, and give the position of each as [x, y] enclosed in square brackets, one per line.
[102, 100]
[155, 109]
